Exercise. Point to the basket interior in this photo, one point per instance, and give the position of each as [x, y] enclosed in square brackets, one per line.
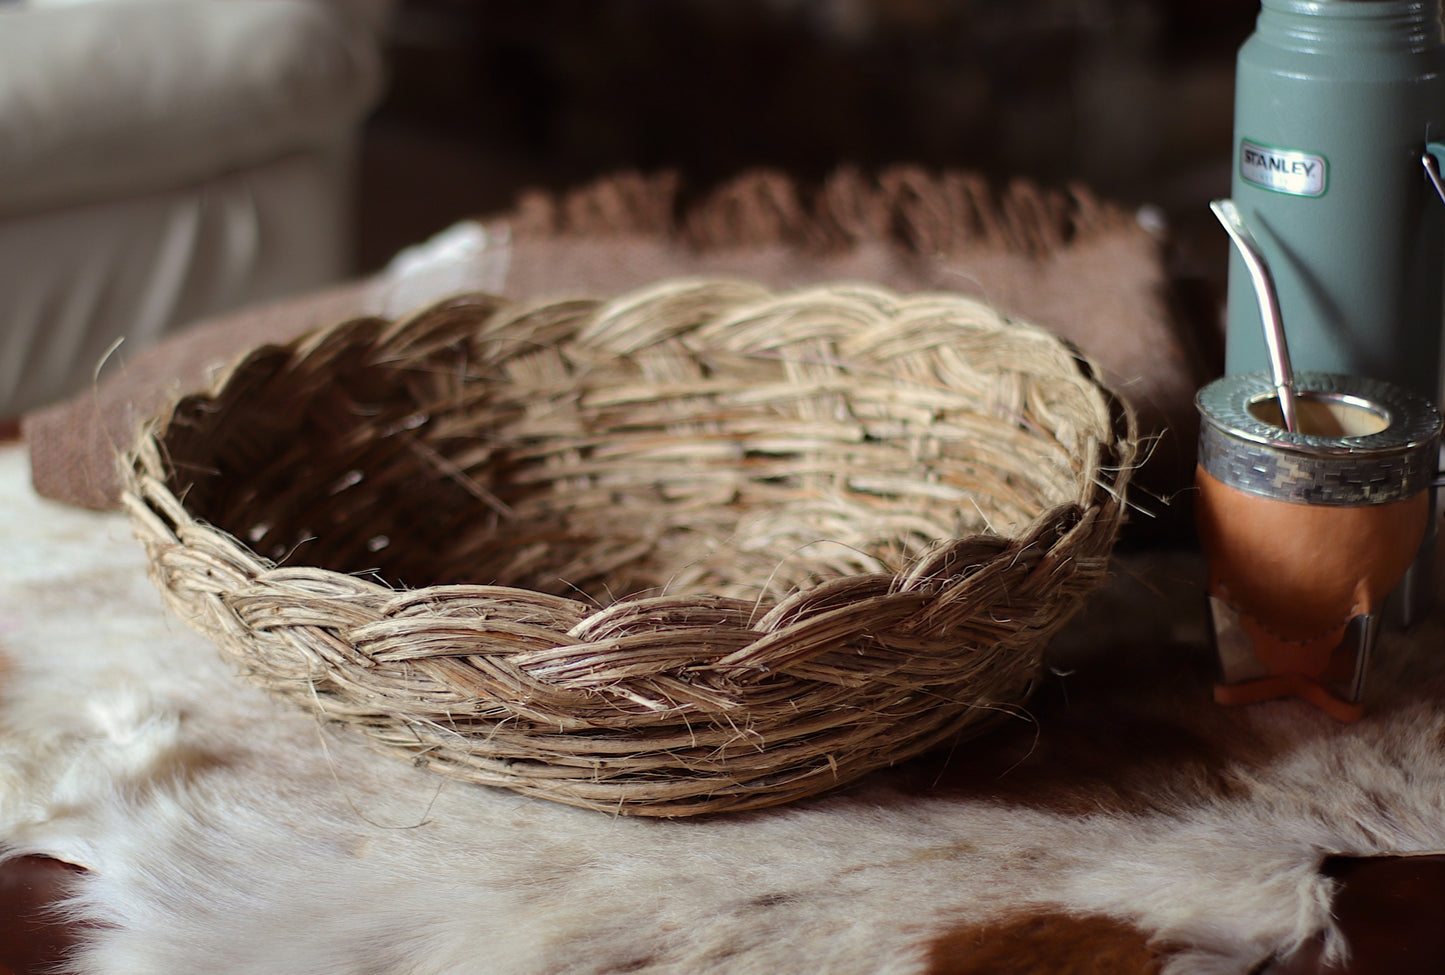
[565, 458]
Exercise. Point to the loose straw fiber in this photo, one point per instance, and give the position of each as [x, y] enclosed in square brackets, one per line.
[700, 548]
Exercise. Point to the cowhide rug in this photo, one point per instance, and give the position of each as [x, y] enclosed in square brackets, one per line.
[1124, 824]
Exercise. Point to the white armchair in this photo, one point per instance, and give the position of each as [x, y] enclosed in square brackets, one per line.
[163, 160]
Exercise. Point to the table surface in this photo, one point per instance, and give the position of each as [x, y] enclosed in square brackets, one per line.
[1152, 611]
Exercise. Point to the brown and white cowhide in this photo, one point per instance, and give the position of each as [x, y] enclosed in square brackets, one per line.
[1124, 825]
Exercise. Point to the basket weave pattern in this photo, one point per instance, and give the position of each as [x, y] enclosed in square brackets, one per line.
[698, 548]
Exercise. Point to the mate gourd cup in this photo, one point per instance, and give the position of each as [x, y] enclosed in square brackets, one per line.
[1306, 533]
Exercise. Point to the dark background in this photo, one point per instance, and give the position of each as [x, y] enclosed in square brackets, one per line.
[1130, 97]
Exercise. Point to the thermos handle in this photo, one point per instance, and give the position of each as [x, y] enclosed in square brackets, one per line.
[1433, 158]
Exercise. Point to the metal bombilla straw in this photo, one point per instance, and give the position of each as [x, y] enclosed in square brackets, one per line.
[1264, 290]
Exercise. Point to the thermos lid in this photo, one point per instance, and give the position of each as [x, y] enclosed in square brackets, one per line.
[1361, 440]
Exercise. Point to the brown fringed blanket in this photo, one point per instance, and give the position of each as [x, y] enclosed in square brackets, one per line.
[1121, 824]
[1063, 259]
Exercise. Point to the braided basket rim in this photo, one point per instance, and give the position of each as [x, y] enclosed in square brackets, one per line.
[759, 702]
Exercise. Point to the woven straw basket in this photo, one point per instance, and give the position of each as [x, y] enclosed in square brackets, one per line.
[699, 548]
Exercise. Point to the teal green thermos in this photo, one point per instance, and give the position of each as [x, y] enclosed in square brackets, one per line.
[1339, 137]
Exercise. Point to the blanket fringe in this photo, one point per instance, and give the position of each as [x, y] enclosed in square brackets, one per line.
[908, 206]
